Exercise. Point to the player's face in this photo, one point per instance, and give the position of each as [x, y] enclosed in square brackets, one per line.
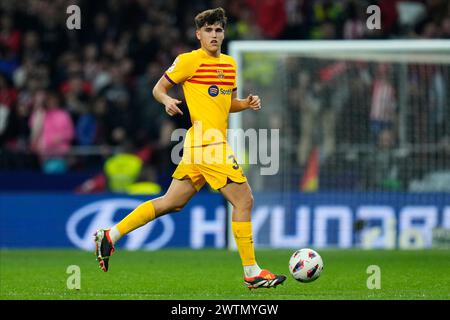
[211, 37]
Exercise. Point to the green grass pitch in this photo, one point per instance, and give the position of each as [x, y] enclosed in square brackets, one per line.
[216, 274]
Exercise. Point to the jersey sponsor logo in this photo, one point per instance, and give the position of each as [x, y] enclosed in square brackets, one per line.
[226, 92]
[213, 91]
[82, 224]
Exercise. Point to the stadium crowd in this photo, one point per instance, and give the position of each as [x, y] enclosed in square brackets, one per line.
[66, 93]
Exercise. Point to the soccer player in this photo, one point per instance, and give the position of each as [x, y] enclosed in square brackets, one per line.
[208, 78]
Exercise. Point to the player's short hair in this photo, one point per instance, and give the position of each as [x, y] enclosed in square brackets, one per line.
[210, 17]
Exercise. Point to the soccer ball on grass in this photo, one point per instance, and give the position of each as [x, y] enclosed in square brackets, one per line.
[305, 265]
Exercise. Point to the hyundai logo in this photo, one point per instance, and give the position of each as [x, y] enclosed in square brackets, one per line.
[100, 214]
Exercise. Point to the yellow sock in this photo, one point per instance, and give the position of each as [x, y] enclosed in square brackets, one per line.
[242, 232]
[140, 216]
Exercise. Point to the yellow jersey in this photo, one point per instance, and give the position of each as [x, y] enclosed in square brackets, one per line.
[208, 84]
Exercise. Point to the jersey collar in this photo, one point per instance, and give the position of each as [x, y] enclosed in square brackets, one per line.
[204, 54]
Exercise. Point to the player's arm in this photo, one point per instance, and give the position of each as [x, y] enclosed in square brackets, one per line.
[160, 92]
[251, 102]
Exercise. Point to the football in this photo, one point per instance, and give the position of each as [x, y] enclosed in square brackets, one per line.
[305, 265]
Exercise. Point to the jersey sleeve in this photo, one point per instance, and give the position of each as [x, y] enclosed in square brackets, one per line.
[181, 69]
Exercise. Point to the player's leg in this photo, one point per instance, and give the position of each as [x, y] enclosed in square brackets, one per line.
[241, 198]
[178, 194]
[176, 197]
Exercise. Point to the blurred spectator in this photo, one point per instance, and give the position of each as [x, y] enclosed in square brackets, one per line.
[383, 106]
[8, 96]
[76, 92]
[438, 105]
[102, 31]
[354, 26]
[91, 66]
[23, 72]
[355, 106]
[120, 113]
[317, 116]
[298, 19]
[86, 129]
[427, 102]
[328, 19]
[52, 34]
[144, 47]
[31, 48]
[241, 23]
[51, 131]
[430, 31]
[121, 171]
[445, 27]
[9, 36]
[384, 166]
[270, 16]
[410, 14]
[152, 116]
[389, 17]
[100, 111]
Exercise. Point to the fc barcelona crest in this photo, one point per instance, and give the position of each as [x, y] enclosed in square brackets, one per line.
[220, 74]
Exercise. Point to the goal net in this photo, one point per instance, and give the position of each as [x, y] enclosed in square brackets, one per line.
[349, 125]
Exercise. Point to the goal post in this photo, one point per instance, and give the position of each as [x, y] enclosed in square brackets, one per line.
[376, 111]
[401, 51]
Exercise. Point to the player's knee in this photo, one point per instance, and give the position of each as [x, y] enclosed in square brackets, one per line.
[246, 204]
[174, 205]
[249, 202]
[167, 204]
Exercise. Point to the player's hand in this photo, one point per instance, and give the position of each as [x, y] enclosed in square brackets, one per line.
[254, 102]
[172, 108]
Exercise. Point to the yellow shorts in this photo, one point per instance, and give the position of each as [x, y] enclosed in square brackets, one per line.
[215, 164]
